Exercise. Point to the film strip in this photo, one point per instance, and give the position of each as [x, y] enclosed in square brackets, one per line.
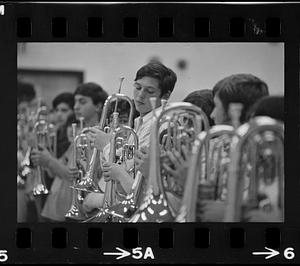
[131, 23]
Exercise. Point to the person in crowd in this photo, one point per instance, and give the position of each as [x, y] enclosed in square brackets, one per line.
[204, 100]
[26, 96]
[271, 106]
[180, 161]
[88, 103]
[63, 172]
[245, 89]
[62, 105]
[152, 80]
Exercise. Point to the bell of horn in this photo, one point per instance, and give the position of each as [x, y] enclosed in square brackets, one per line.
[207, 176]
[256, 179]
[176, 119]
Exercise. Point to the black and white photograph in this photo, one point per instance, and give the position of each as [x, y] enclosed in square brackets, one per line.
[150, 132]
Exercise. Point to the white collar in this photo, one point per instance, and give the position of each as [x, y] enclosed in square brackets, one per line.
[148, 116]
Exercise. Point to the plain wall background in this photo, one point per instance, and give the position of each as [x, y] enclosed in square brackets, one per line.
[207, 63]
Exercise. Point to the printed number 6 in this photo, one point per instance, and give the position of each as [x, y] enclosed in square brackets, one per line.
[289, 253]
[3, 255]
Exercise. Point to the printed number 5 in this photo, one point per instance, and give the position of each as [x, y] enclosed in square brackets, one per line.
[3, 255]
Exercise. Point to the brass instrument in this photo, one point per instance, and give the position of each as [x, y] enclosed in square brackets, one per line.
[88, 183]
[45, 137]
[126, 150]
[41, 131]
[123, 211]
[182, 121]
[24, 169]
[256, 179]
[208, 171]
[208, 174]
[80, 153]
[25, 126]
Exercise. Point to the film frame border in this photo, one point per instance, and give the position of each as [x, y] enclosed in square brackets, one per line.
[112, 15]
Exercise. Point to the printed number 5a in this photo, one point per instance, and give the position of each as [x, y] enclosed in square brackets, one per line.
[3, 255]
[2, 10]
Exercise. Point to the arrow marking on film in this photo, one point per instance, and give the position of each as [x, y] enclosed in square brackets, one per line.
[271, 253]
[122, 254]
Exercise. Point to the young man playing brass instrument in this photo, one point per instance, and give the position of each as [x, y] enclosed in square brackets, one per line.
[152, 80]
[88, 101]
[245, 89]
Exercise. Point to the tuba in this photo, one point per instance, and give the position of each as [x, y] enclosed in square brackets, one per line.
[208, 174]
[256, 179]
[175, 127]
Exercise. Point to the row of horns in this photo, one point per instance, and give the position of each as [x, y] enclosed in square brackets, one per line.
[239, 167]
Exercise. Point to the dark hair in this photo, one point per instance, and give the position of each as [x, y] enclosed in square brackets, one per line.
[272, 106]
[240, 88]
[65, 97]
[92, 90]
[204, 100]
[166, 77]
[26, 92]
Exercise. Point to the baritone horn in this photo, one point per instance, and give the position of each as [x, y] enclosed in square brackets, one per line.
[256, 179]
[178, 125]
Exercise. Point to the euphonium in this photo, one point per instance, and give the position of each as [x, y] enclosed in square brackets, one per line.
[207, 173]
[89, 183]
[256, 180]
[182, 121]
